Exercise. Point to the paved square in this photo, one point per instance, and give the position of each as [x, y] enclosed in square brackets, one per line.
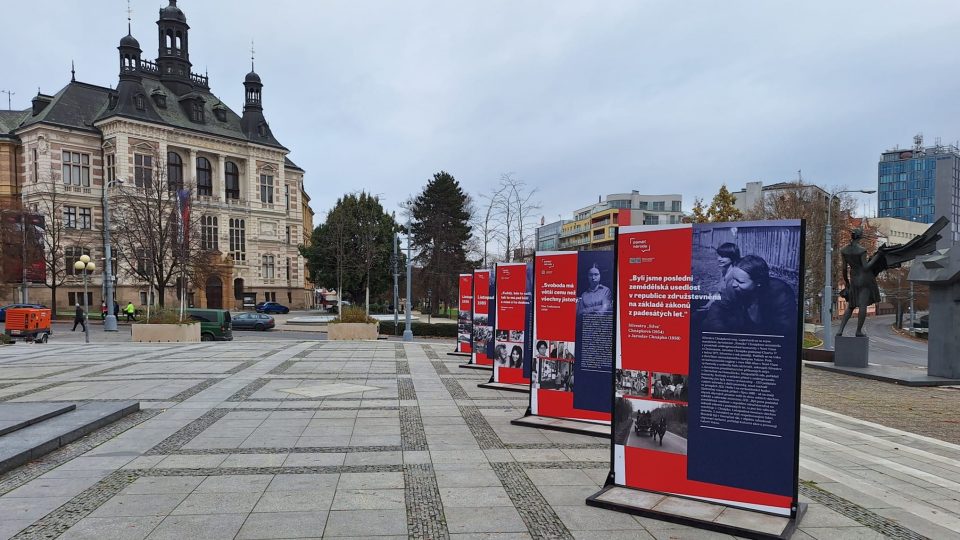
[382, 440]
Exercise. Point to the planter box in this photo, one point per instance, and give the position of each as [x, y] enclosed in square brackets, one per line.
[165, 333]
[817, 355]
[353, 331]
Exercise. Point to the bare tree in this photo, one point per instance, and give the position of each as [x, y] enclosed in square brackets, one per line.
[64, 233]
[158, 240]
[517, 213]
[806, 201]
[490, 223]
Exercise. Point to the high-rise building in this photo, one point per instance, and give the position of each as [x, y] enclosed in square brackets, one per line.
[592, 227]
[162, 123]
[921, 184]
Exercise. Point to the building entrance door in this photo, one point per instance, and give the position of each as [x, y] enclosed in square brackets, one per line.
[214, 293]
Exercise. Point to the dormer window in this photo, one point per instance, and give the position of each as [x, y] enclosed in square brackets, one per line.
[262, 130]
[196, 111]
[220, 112]
[138, 102]
[159, 98]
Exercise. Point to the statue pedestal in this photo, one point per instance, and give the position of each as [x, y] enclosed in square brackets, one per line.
[851, 351]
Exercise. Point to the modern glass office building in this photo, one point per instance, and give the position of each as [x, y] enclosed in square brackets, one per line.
[921, 184]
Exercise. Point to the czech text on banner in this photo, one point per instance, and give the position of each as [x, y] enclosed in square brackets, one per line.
[483, 318]
[465, 314]
[707, 361]
[572, 335]
[513, 310]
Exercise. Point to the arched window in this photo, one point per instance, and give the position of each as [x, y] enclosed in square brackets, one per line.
[174, 171]
[232, 177]
[204, 177]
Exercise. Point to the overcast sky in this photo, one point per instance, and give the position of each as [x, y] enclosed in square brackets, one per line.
[577, 98]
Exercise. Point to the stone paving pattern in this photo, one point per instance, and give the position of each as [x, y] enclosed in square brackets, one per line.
[231, 444]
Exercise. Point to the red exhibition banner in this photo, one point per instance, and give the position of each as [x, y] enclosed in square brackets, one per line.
[690, 416]
[465, 315]
[572, 335]
[512, 304]
[482, 323]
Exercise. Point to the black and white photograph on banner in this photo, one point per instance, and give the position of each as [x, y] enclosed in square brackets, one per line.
[464, 317]
[746, 279]
[542, 349]
[508, 355]
[562, 350]
[482, 335]
[597, 296]
[556, 375]
[463, 337]
[653, 425]
[503, 335]
[633, 383]
[669, 387]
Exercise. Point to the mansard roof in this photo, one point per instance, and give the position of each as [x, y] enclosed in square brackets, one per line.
[9, 121]
[81, 105]
[77, 105]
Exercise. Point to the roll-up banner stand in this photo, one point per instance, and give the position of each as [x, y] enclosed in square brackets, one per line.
[514, 311]
[706, 391]
[464, 316]
[572, 342]
[484, 287]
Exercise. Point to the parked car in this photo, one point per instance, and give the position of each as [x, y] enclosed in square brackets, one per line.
[3, 310]
[272, 307]
[215, 324]
[332, 308]
[253, 321]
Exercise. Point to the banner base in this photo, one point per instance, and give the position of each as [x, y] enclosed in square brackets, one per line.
[465, 354]
[700, 514]
[476, 366]
[565, 425]
[525, 388]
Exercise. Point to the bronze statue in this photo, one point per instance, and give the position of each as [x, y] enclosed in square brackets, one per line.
[860, 273]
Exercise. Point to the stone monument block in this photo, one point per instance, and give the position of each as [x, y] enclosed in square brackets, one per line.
[851, 351]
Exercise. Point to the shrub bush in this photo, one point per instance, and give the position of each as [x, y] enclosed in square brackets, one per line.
[165, 316]
[420, 329]
[353, 314]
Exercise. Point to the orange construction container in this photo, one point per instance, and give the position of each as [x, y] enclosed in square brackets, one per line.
[29, 324]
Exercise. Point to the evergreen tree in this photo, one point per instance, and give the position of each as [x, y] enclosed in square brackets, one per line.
[699, 213]
[723, 207]
[351, 249]
[441, 231]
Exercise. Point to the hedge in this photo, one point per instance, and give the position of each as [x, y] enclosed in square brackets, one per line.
[420, 329]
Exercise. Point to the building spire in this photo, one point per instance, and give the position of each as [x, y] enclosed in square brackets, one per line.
[73, 72]
[252, 51]
[129, 17]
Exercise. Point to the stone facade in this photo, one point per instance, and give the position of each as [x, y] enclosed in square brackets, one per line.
[165, 115]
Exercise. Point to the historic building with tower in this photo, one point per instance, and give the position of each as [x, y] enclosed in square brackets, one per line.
[162, 121]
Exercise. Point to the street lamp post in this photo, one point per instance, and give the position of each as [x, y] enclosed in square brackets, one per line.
[110, 323]
[395, 268]
[408, 331]
[85, 265]
[826, 309]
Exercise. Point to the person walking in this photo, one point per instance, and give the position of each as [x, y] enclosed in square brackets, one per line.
[130, 311]
[116, 310]
[103, 310]
[78, 318]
